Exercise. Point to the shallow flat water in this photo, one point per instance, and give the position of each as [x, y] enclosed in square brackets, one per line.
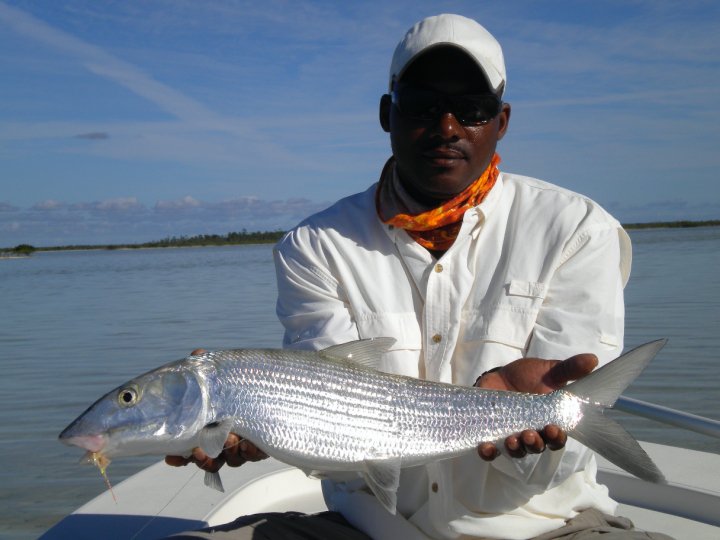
[73, 324]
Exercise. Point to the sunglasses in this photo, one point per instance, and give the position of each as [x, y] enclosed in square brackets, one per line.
[424, 104]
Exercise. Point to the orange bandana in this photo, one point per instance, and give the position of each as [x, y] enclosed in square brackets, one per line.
[435, 228]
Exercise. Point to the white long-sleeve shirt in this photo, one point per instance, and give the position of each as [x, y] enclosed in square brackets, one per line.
[536, 271]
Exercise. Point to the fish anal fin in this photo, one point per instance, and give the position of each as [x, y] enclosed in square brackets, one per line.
[383, 479]
[366, 352]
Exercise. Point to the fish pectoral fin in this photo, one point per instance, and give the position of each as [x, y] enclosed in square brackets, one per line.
[366, 352]
[213, 436]
[212, 479]
[383, 479]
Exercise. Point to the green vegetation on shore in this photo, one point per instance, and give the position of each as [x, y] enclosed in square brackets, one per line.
[22, 250]
[269, 237]
[229, 239]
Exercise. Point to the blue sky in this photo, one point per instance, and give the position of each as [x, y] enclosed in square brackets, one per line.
[133, 121]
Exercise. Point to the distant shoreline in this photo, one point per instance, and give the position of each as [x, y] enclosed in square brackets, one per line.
[203, 240]
[672, 224]
[270, 237]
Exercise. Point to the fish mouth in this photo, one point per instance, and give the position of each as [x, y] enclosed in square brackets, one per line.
[91, 443]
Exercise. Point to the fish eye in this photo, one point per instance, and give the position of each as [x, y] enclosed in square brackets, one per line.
[127, 397]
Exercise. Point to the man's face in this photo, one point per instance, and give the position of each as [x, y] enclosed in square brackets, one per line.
[438, 158]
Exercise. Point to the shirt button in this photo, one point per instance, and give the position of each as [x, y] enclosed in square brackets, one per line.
[438, 268]
[391, 227]
[434, 487]
[437, 338]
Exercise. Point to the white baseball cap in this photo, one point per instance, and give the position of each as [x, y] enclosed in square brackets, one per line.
[457, 31]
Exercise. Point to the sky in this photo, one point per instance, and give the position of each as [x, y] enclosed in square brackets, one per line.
[131, 121]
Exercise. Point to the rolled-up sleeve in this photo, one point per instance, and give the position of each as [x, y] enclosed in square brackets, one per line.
[583, 311]
[311, 302]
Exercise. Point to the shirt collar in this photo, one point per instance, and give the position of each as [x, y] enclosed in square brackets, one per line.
[476, 215]
[490, 202]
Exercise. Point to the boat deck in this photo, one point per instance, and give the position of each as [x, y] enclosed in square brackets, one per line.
[175, 499]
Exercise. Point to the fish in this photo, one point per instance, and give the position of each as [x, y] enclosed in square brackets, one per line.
[332, 411]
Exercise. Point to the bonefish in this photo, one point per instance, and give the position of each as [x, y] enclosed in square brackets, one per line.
[331, 410]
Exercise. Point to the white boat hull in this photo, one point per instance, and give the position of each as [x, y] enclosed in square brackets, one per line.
[163, 500]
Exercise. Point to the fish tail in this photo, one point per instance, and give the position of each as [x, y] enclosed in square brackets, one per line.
[601, 389]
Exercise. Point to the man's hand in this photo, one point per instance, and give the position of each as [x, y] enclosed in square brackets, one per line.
[536, 376]
[236, 451]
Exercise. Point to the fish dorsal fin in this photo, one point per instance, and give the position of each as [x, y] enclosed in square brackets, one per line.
[213, 436]
[383, 479]
[366, 352]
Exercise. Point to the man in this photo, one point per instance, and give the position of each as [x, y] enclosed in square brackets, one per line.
[478, 275]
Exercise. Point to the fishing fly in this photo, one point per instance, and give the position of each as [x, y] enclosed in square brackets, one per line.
[101, 462]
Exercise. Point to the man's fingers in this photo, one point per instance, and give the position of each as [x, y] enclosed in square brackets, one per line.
[211, 464]
[488, 451]
[198, 456]
[177, 461]
[237, 451]
[532, 441]
[233, 451]
[526, 442]
[580, 365]
[205, 462]
[251, 452]
[554, 437]
[514, 447]
[571, 369]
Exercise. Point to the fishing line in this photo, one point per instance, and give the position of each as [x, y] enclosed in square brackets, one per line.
[101, 462]
[148, 522]
[180, 489]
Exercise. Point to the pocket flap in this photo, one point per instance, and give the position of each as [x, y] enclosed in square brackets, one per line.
[504, 324]
[531, 289]
[404, 327]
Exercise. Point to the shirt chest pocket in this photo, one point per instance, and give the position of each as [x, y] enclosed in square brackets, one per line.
[507, 319]
[403, 326]
[404, 357]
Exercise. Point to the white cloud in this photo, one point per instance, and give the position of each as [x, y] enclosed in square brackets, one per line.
[49, 204]
[194, 118]
[106, 65]
[121, 204]
[616, 100]
[185, 202]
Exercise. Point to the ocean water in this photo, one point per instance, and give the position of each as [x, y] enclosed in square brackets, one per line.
[75, 324]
